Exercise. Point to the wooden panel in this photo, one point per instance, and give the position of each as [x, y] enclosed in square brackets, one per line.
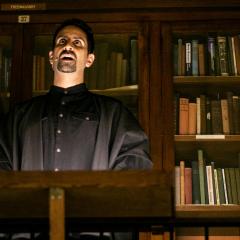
[135, 196]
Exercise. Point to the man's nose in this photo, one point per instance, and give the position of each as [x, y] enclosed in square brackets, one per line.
[68, 46]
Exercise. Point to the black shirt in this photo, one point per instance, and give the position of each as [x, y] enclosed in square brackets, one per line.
[70, 117]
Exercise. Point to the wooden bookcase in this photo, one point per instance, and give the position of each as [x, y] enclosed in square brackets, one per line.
[156, 25]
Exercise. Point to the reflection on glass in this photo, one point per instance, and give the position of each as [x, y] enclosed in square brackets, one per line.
[42, 73]
[5, 71]
[114, 72]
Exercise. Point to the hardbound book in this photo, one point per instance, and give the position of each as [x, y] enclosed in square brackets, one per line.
[188, 58]
[195, 183]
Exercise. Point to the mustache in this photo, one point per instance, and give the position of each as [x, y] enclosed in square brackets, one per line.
[68, 52]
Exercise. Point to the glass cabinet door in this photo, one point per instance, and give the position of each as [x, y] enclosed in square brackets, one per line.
[5, 71]
[113, 73]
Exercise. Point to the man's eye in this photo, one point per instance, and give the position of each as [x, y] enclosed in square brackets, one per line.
[78, 43]
[61, 41]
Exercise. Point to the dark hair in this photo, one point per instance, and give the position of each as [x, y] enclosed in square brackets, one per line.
[80, 24]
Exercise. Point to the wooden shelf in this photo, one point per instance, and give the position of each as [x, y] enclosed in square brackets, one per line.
[119, 91]
[206, 80]
[208, 211]
[206, 138]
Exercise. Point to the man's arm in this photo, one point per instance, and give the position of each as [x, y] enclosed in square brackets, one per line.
[130, 145]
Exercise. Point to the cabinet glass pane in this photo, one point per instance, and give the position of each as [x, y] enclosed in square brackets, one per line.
[42, 72]
[114, 72]
[5, 71]
[207, 116]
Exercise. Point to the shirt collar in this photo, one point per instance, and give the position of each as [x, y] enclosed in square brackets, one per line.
[80, 88]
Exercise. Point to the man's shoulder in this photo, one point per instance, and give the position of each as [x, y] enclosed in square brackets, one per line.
[25, 105]
[107, 100]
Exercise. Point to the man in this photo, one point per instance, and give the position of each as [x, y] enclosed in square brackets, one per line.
[71, 128]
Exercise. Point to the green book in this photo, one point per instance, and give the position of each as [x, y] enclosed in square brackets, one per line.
[233, 185]
[202, 172]
[221, 186]
[228, 186]
[237, 174]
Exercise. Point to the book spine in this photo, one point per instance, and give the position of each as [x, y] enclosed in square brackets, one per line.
[195, 63]
[222, 53]
[183, 115]
[201, 167]
[211, 56]
[188, 59]
[195, 183]
[182, 183]
[177, 185]
[210, 184]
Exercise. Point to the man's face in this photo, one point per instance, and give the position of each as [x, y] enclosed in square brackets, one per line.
[70, 53]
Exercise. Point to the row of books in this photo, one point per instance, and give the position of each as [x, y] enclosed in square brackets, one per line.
[216, 55]
[5, 70]
[203, 183]
[113, 68]
[198, 233]
[204, 115]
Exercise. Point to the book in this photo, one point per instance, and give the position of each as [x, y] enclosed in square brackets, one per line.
[236, 113]
[180, 58]
[195, 57]
[210, 184]
[222, 54]
[225, 115]
[176, 113]
[216, 116]
[208, 116]
[216, 187]
[183, 115]
[229, 95]
[195, 183]
[192, 118]
[188, 185]
[237, 175]
[211, 55]
[225, 186]
[228, 185]
[182, 182]
[231, 56]
[188, 58]
[198, 102]
[221, 186]
[233, 185]
[202, 174]
[203, 116]
[201, 59]
[177, 185]
[236, 44]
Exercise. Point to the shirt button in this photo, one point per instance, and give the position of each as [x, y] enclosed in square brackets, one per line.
[58, 150]
[87, 118]
[59, 131]
[60, 115]
[65, 92]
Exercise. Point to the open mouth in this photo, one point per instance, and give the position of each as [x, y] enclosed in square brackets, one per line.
[67, 58]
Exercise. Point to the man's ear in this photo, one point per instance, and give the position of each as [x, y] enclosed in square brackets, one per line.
[90, 60]
[50, 54]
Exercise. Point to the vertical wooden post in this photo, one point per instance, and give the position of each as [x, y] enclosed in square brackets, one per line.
[57, 214]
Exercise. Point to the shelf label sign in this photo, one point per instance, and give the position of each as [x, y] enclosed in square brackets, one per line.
[23, 19]
[22, 6]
